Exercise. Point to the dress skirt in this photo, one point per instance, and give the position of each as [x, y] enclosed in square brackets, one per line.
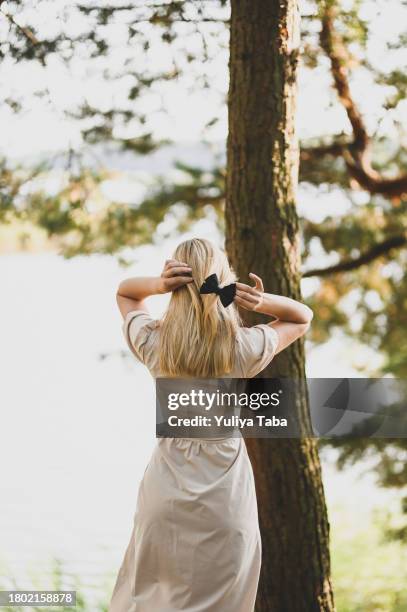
[195, 544]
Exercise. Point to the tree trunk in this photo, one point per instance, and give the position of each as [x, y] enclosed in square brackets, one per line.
[262, 236]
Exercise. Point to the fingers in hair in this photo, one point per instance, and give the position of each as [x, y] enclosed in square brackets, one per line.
[177, 271]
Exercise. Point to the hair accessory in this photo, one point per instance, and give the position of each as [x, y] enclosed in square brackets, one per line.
[226, 294]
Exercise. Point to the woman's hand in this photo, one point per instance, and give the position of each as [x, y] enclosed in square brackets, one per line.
[250, 298]
[175, 275]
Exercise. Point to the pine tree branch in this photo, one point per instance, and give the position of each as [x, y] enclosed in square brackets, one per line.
[334, 48]
[382, 248]
[27, 33]
[336, 149]
[173, 13]
[375, 184]
[356, 154]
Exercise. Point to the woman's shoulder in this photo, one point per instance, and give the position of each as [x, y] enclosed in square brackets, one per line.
[252, 335]
[256, 347]
[141, 318]
[139, 329]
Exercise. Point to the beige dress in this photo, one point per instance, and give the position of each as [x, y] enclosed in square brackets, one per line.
[195, 544]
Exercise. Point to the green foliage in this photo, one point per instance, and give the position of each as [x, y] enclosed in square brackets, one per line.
[387, 456]
[83, 221]
[369, 574]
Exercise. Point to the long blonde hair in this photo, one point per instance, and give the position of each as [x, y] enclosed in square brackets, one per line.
[197, 333]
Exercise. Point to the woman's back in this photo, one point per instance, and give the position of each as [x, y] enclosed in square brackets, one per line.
[254, 346]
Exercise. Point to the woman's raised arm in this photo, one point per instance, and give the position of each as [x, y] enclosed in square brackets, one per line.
[133, 291]
[293, 318]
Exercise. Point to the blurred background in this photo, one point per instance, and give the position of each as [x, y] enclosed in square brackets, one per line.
[113, 125]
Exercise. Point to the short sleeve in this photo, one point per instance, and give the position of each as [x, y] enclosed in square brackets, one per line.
[138, 326]
[258, 345]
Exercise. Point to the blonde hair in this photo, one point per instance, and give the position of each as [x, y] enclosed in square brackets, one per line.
[197, 333]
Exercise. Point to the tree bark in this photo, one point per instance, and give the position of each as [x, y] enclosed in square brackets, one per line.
[262, 236]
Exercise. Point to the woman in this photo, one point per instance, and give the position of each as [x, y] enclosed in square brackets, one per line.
[196, 544]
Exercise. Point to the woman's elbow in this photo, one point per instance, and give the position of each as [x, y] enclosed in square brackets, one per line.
[120, 290]
[303, 328]
[120, 296]
[307, 316]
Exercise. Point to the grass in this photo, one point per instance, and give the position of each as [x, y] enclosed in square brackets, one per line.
[369, 573]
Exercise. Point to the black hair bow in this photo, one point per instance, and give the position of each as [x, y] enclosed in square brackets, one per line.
[226, 294]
